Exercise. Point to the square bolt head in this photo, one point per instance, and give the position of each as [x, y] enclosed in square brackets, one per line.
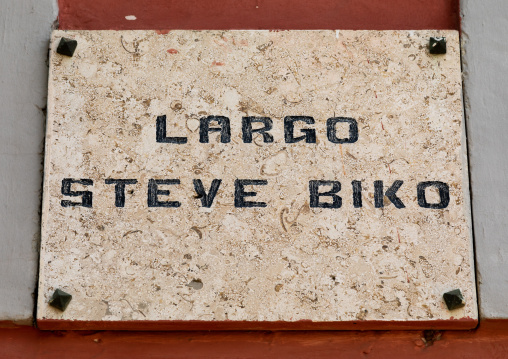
[66, 46]
[437, 45]
[60, 300]
[454, 299]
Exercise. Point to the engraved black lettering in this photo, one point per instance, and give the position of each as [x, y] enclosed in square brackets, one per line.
[309, 133]
[357, 194]
[315, 194]
[206, 199]
[331, 130]
[160, 132]
[120, 189]
[444, 194]
[86, 196]
[205, 129]
[240, 193]
[390, 194]
[154, 192]
[247, 130]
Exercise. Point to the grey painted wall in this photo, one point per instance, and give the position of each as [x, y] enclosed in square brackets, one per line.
[485, 63]
[24, 34]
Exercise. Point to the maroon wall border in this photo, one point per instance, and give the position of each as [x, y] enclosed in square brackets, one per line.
[490, 340]
[259, 14]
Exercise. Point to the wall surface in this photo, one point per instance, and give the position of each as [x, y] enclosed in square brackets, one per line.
[25, 27]
[23, 91]
[485, 68]
[24, 35]
[259, 14]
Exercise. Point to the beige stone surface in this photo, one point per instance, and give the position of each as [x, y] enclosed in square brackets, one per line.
[284, 262]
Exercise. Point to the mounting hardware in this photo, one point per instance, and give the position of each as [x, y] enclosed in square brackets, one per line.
[60, 300]
[437, 45]
[66, 46]
[454, 299]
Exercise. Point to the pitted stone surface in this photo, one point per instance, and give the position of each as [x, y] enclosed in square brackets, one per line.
[287, 261]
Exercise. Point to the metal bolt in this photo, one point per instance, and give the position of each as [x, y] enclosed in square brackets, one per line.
[437, 45]
[66, 46]
[454, 299]
[60, 300]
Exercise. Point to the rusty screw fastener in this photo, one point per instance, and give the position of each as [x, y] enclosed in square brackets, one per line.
[60, 300]
[454, 299]
[66, 46]
[437, 45]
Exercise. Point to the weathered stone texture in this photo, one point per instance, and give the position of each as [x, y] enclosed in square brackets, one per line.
[285, 262]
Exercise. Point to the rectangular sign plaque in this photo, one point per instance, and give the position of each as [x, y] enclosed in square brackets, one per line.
[255, 180]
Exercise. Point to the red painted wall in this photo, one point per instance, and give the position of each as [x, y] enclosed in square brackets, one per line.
[259, 14]
[489, 341]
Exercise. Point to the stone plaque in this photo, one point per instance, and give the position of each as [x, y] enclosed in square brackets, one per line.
[255, 180]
